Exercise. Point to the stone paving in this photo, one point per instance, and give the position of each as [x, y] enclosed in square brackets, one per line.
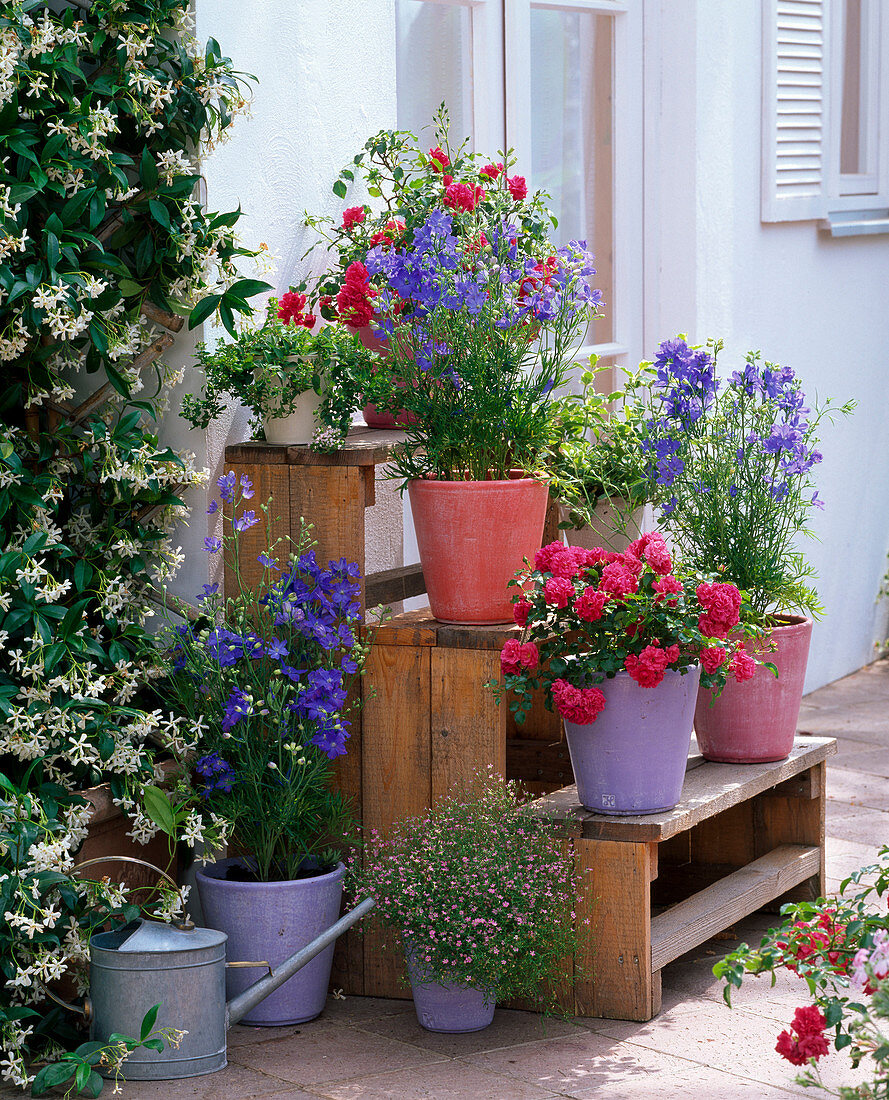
[370, 1049]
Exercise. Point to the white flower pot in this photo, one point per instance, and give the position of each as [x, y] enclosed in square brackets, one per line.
[612, 528]
[299, 426]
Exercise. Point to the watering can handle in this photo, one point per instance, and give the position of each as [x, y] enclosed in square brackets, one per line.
[185, 925]
[85, 1010]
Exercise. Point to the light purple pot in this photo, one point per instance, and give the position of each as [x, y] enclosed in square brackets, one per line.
[451, 1008]
[269, 922]
[632, 759]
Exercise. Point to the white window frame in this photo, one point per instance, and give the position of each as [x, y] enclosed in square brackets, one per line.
[627, 191]
[824, 193]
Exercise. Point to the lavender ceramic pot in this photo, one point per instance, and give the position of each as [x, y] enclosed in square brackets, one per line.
[632, 759]
[450, 1008]
[270, 921]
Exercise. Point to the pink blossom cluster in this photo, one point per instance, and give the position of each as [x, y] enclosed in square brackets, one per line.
[806, 1039]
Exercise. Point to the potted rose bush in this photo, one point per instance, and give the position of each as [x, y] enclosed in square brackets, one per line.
[733, 460]
[482, 896]
[618, 644]
[267, 673]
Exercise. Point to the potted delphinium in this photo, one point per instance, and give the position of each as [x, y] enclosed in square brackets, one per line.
[406, 181]
[484, 342]
[618, 644]
[599, 472]
[482, 896]
[267, 672]
[301, 386]
[734, 460]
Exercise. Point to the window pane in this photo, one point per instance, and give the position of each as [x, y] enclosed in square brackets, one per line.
[434, 64]
[852, 144]
[571, 151]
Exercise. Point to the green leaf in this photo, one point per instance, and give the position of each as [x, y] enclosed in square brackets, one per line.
[53, 252]
[160, 213]
[156, 806]
[129, 288]
[95, 1085]
[148, 1022]
[246, 288]
[203, 309]
[82, 1076]
[148, 170]
[339, 189]
[52, 655]
[54, 1074]
[842, 1041]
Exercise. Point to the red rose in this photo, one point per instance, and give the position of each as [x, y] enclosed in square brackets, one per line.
[590, 604]
[353, 301]
[806, 1039]
[517, 187]
[290, 308]
[558, 591]
[440, 159]
[520, 612]
[617, 580]
[392, 230]
[713, 658]
[649, 667]
[515, 656]
[658, 556]
[568, 563]
[355, 215]
[460, 196]
[529, 655]
[743, 666]
[665, 587]
[580, 705]
[721, 604]
[492, 171]
[543, 557]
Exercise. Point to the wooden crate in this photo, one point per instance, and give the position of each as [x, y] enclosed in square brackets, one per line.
[743, 837]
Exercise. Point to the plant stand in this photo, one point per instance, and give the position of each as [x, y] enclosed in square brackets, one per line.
[744, 837]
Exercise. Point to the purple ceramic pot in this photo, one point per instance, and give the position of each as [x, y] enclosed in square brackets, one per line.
[632, 759]
[269, 922]
[450, 1008]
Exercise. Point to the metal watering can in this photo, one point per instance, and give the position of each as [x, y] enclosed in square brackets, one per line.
[182, 968]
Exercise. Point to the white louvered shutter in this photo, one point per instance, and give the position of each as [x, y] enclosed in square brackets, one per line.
[794, 124]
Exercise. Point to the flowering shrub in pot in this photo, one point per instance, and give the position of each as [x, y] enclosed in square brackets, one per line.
[300, 385]
[617, 643]
[733, 461]
[482, 895]
[839, 947]
[267, 673]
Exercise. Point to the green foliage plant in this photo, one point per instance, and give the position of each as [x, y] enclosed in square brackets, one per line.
[839, 949]
[480, 888]
[266, 368]
[597, 453]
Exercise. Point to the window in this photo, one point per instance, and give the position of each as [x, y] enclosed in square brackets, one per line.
[539, 76]
[826, 112]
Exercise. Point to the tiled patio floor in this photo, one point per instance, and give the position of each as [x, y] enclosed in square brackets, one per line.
[368, 1049]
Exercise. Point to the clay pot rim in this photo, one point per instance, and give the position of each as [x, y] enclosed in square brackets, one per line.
[789, 622]
[280, 884]
[521, 478]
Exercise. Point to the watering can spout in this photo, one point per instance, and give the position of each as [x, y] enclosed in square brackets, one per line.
[239, 1006]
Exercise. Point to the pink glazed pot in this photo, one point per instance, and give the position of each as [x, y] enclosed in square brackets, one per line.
[473, 537]
[754, 722]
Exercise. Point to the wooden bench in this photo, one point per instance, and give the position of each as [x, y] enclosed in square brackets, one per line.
[744, 837]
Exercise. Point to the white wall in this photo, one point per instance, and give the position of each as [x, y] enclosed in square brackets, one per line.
[818, 304]
[326, 71]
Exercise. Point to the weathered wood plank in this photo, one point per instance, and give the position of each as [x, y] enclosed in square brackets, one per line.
[791, 819]
[468, 728]
[613, 970]
[363, 447]
[709, 789]
[332, 500]
[268, 483]
[701, 916]
[534, 761]
[389, 586]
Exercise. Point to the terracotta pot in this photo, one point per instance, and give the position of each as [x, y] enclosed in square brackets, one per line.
[605, 530]
[473, 537]
[373, 418]
[754, 722]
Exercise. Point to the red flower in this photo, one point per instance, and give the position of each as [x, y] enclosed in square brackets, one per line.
[520, 611]
[558, 591]
[618, 580]
[392, 230]
[517, 187]
[658, 556]
[667, 586]
[440, 159]
[544, 556]
[492, 171]
[649, 667]
[515, 656]
[355, 215]
[743, 666]
[290, 308]
[806, 1039]
[589, 604]
[721, 604]
[354, 298]
[569, 563]
[460, 196]
[580, 705]
[713, 658]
